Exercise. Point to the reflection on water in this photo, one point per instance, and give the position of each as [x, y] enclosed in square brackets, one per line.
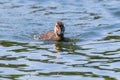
[92, 53]
[65, 46]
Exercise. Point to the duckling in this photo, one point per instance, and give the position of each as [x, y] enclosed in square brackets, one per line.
[57, 35]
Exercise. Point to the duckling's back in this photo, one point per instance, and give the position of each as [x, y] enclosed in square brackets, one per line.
[47, 36]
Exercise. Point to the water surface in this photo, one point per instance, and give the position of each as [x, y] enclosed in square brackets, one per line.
[92, 54]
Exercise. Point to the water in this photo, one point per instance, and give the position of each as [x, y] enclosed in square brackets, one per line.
[92, 54]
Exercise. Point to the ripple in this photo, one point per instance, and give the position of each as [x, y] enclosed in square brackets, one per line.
[112, 37]
[92, 53]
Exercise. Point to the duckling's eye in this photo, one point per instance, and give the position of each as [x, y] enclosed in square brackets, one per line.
[63, 28]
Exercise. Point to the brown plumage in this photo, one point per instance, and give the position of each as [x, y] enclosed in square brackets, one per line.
[57, 35]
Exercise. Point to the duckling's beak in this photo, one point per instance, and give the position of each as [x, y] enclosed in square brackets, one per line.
[60, 32]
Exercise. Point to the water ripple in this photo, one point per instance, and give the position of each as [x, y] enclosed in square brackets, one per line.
[91, 54]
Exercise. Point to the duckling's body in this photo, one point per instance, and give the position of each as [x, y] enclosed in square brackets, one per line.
[47, 36]
[57, 35]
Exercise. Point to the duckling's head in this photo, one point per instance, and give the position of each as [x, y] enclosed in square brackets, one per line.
[59, 30]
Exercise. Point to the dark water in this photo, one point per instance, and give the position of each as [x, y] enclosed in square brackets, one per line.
[92, 54]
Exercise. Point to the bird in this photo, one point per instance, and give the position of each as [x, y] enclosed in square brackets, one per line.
[57, 35]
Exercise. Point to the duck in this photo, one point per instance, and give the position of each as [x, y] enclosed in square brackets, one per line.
[57, 35]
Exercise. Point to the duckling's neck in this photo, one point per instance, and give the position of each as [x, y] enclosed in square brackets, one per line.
[59, 38]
